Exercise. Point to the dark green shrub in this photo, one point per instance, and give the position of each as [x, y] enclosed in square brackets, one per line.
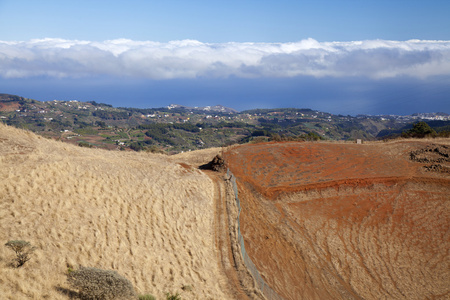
[98, 284]
[84, 144]
[420, 130]
[23, 251]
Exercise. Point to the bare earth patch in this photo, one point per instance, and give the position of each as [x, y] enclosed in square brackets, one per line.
[346, 221]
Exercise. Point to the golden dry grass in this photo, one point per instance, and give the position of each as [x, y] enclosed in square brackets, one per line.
[146, 216]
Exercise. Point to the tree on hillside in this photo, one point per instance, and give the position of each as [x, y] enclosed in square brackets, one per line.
[420, 130]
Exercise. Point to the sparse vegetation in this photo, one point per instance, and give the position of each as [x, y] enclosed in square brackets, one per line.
[170, 296]
[23, 251]
[84, 144]
[98, 284]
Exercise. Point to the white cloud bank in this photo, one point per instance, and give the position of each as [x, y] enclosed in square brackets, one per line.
[191, 59]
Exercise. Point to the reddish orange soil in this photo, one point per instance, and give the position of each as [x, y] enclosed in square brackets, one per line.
[346, 221]
[9, 106]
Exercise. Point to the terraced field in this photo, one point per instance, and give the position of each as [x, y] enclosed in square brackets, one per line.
[347, 221]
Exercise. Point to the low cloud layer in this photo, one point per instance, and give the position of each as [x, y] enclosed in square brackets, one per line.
[192, 59]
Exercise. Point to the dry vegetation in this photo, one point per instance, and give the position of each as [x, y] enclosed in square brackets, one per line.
[146, 216]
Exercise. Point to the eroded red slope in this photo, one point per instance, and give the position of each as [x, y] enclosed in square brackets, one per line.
[340, 221]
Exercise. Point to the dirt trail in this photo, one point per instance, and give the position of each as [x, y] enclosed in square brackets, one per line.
[235, 277]
[223, 242]
[240, 283]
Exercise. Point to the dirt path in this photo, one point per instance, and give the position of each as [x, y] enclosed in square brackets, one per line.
[240, 284]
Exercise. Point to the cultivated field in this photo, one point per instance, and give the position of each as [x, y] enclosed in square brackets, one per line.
[146, 216]
[347, 221]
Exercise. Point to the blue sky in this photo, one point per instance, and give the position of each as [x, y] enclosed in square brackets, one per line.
[347, 57]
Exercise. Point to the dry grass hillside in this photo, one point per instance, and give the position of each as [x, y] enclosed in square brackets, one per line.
[146, 216]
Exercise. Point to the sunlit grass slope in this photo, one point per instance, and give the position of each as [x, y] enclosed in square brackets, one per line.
[145, 216]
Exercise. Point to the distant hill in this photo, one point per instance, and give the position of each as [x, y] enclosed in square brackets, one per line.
[178, 128]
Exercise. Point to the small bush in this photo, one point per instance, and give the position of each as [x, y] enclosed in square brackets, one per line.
[170, 296]
[23, 251]
[84, 144]
[98, 284]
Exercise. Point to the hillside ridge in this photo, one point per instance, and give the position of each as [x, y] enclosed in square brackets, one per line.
[178, 128]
